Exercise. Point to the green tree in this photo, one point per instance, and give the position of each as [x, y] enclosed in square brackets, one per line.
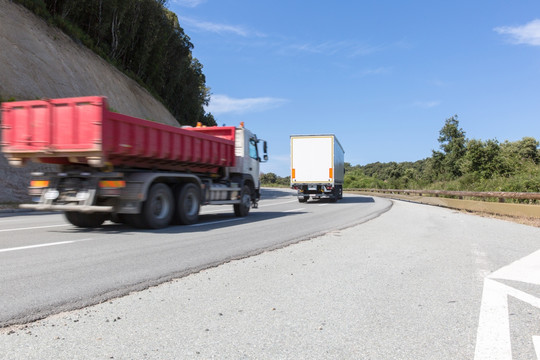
[269, 178]
[482, 158]
[145, 40]
[452, 143]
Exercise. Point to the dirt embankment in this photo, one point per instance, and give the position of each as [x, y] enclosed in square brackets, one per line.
[39, 61]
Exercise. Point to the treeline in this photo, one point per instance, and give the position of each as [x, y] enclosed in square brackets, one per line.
[142, 38]
[460, 164]
[273, 180]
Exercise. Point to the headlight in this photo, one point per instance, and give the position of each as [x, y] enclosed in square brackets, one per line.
[51, 194]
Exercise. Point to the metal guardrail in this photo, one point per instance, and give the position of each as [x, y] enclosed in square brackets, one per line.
[500, 195]
[455, 200]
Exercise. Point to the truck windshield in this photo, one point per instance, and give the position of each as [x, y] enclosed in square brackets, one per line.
[253, 153]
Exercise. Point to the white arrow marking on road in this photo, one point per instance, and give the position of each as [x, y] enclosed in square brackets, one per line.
[526, 269]
[493, 337]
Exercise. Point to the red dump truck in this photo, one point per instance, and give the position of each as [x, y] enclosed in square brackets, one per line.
[128, 170]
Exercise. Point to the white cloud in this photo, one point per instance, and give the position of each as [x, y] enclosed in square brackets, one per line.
[374, 71]
[350, 48]
[189, 3]
[216, 28]
[220, 104]
[525, 34]
[427, 104]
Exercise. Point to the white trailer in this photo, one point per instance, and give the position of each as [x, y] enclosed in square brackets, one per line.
[317, 167]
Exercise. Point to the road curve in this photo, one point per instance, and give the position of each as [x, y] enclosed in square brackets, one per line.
[48, 266]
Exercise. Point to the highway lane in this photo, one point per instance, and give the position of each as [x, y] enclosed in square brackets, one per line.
[49, 266]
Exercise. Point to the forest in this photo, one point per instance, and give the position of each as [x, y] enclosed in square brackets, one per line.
[144, 40]
[459, 164]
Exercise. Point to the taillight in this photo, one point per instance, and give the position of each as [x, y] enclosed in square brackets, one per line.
[37, 187]
[39, 183]
[111, 187]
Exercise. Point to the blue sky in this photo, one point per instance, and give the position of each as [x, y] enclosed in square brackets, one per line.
[381, 75]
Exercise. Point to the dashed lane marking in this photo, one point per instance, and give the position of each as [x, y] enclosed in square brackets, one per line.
[42, 245]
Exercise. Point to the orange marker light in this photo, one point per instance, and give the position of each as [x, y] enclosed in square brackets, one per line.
[112, 184]
[39, 183]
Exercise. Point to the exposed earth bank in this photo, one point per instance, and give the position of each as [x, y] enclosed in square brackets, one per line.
[39, 61]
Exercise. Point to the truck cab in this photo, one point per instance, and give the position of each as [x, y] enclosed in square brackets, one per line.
[248, 159]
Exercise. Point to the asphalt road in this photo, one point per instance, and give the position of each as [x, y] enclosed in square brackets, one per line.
[48, 266]
[416, 282]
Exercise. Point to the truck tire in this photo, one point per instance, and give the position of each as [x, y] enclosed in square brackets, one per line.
[303, 199]
[85, 220]
[188, 203]
[158, 209]
[242, 209]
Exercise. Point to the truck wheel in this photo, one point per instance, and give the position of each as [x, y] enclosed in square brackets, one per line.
[303, 199]
[85, 220]
[188, 204]
[242, 209]
[158, 209]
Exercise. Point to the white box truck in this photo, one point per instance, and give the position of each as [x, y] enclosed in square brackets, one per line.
[317, 167]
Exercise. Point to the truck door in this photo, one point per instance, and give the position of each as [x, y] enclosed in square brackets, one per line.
[253, 162]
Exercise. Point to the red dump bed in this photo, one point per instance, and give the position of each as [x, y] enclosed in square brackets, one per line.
[82, 130]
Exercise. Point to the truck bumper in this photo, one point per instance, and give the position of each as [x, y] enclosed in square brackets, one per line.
[78, 208]
[318, 191]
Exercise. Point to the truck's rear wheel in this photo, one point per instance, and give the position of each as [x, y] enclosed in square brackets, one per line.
[85, 220]
[242, 209]
[158, 209]
[303, 199]
[188, 204]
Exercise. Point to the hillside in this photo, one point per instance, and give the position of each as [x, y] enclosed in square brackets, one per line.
[39, 61]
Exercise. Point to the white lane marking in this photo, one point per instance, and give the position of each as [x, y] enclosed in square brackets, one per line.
[293, 210]
[323, 205]
[42, 245]
[493, 335]
[525, 270]
[481, 261]
[493, 340]
[264, 205]
[213, 211]
[536, 342]
[280, 203]
[34, 227]
[214, 222]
